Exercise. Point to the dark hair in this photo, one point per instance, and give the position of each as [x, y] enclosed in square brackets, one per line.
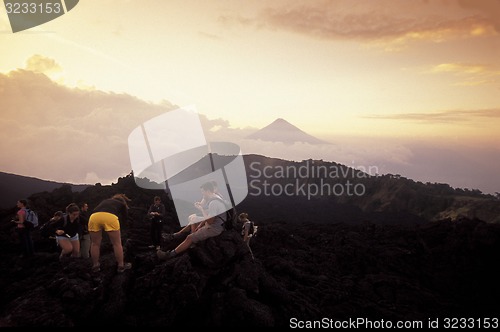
[58, 214]
[122, 198]
[243, 216]
[72, 207]
[157, 198]
[23, 202]
[208, 186]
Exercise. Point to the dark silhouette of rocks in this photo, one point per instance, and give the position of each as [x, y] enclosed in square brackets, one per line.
[304, 270]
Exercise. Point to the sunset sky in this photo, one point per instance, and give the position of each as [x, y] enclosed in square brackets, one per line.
[410, 86]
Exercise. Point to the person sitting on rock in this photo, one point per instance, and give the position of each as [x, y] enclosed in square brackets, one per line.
[194, 219]
[209, 227]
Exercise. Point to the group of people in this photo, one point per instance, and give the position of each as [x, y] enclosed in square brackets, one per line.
[80, 235]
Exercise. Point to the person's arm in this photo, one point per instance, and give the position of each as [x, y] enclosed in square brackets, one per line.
[199, 205]
[162, 211]
[59, 226]
[207, 221]
[247, 227]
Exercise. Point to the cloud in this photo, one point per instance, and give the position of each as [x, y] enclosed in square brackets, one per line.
[41, 64]
[389, 26]
[489, 8]
[469, 74]
[58, 133]
[444, 116]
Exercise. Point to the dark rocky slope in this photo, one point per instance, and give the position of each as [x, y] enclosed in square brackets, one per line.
[306, 271]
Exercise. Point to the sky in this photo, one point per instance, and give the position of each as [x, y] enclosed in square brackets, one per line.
[411, 87]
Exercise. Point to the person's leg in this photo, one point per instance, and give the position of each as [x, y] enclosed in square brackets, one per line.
[116, 241]
[152, 233]
[75, 248]
[248, 244]
[184, 245]
[186, 228]
[159, 227]
[22, 241]
[156, 233]
[30, 250]
[95, 247]
[66, 247]
[201, 234]
[85, 246]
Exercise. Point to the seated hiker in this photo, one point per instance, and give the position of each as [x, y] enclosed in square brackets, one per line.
[210, 227]
[67, 231]
[194, 219]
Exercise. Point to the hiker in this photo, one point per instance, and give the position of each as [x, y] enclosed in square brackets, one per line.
[194, 219]
[210, 227]
[156, 213]
[247, 230]
[47, 230]
[84, 236]
[67, 231]
[107, 216]
[23, 230]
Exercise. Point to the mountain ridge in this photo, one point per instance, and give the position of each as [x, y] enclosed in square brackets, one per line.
[283, 131]
[14, 187]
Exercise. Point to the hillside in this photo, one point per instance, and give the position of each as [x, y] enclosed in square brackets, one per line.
[321, 191]
[14, 187]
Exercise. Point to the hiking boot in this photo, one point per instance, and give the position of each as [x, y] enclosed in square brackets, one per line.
[126, 266]
[96, 268]
[164, 255]
[168, 237]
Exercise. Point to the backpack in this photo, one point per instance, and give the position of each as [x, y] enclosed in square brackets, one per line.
[47, 230]
[231, 214]
[251, 228]
[31, 218]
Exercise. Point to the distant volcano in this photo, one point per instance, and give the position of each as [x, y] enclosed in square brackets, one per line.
[283, 131]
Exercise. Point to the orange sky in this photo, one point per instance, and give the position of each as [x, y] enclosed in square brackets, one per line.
[423, 70]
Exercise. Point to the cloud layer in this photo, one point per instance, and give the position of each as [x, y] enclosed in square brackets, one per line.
[54, 132]
[58, 133]
[392, 24]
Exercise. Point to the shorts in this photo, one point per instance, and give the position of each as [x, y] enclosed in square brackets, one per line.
[196, 219]
[206, 232]
[103, 220]
[64, 237]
